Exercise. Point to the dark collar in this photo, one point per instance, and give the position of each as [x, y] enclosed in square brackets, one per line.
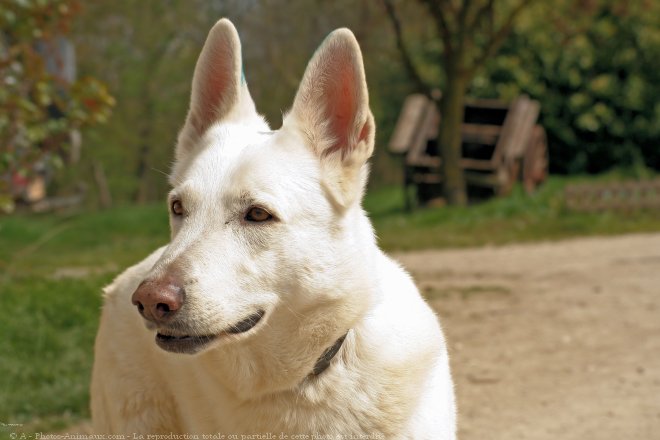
[324, 361]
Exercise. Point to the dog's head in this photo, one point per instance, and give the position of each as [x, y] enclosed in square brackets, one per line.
[268, 235]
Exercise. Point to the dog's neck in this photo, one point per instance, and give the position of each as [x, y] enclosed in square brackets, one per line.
[302, 342]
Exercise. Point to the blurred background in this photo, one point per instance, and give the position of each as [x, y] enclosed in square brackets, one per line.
[93, 93]
[119, 73]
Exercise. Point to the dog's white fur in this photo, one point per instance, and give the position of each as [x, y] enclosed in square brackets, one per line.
[315, 269]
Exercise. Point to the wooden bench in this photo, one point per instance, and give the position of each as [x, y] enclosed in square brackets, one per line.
[501, 142]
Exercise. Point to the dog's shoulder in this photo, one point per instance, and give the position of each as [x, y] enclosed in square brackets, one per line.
[402, 299]
[401, 324]
[402, 355]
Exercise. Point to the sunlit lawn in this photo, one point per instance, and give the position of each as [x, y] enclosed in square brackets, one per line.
[516, 218]
[53, 266]
[51, 271]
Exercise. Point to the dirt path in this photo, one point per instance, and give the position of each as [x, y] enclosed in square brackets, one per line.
[551, 341]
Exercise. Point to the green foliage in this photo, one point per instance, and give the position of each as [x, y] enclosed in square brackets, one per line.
[595, 68]
[593, 65]
[38, 109]
[146, 53]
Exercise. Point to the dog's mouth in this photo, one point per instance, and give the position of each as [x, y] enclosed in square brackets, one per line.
[191, 344]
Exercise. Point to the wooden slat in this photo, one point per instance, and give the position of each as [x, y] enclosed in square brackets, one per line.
[408, 125]
[424, 161]
[516, 130]
[480, 133]
[433, 164]
[476, 179]
[476, 164]
[495, 104]
[428, 129]
[535, 159]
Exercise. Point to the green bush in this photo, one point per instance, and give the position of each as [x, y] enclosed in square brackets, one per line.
[596, 71]
[38, 108]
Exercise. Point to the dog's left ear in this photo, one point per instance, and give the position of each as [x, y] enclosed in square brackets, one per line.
[331, 109]
[219, 91]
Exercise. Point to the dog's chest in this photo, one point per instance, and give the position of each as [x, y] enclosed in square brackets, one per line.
[338, 410]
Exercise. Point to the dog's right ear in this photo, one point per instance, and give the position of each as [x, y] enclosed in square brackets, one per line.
[331, 110]
[219, 90]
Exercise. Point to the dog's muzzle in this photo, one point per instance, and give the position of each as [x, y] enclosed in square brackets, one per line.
[176, 342]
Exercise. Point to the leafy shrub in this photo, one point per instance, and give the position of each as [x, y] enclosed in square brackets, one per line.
[595, 68]
[38, 109]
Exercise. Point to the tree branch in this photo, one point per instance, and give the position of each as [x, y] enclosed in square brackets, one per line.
[408, 63]
[450, 6]
[479, 15]
[463, 13]
[464, 38]
[497, 39]
[440, 17]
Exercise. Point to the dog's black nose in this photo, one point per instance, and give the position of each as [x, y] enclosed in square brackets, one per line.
[159, 299]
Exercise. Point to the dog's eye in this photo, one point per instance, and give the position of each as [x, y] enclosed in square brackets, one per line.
[256, 214]
[176, 207]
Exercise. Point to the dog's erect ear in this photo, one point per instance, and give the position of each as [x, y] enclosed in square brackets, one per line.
[219, 90]
[331, 109]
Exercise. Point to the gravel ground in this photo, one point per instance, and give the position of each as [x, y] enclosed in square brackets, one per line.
[551, 341]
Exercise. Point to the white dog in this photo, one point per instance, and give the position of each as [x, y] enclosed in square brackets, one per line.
[272, 313]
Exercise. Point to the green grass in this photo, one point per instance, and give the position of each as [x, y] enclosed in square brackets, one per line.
[47, 329]
[516, 218]
[48, 320]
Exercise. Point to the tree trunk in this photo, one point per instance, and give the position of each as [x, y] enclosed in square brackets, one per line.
[452, 109]
[141, 195]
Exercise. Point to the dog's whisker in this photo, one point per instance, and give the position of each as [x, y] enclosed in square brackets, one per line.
[298, 315]
[161, 172]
